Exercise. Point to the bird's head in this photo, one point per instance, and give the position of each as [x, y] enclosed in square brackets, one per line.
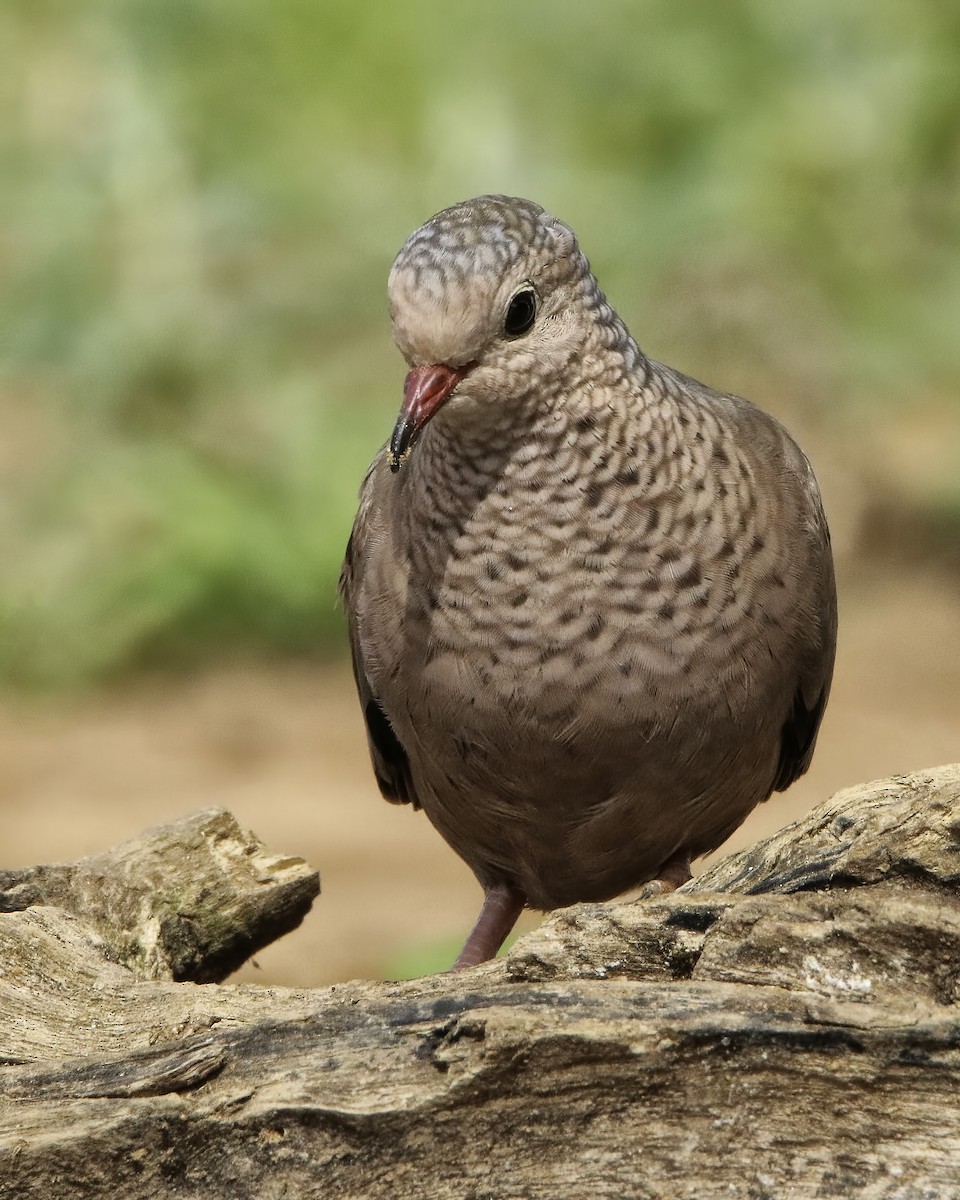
[490, 300]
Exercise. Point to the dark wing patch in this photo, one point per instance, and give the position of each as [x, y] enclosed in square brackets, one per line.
[391, 766]
[799, 734]
[798, 738]
[390, 763]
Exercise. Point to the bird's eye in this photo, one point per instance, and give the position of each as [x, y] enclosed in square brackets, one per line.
[521, 312]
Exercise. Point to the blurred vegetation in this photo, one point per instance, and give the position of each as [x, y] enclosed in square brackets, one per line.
[201, 200]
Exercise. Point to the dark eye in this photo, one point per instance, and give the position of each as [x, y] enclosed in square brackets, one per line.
[521, 312]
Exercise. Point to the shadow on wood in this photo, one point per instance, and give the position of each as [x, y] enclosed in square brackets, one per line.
[786, 1024]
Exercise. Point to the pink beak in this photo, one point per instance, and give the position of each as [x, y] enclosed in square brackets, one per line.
[425, 390]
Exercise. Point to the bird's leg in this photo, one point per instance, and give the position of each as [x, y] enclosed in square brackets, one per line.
[672, 874]
[501, 907]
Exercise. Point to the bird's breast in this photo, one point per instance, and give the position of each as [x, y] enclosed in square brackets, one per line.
[595, 572]
[533, 615]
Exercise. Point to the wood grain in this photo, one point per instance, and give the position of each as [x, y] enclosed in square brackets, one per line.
[786, 1025]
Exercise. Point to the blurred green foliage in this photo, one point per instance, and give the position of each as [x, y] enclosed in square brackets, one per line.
[201, 200]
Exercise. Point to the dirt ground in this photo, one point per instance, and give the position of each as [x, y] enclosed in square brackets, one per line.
[284, 750]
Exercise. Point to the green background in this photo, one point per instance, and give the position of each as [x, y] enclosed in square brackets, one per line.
[200, 202]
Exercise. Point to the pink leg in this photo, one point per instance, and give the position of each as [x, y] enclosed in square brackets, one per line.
[501, 907]
[673, 874]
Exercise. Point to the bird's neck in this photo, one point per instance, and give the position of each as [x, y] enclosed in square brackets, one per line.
[471, 449]
[466, 448]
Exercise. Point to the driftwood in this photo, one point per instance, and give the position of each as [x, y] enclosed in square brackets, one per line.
[785, 1025]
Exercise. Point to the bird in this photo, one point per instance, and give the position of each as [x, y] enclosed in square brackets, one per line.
[590, 600]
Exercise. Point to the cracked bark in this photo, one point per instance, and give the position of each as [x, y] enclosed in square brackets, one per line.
[784, 1025]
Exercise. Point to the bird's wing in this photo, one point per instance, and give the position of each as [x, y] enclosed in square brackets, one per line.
[391, 765]
[798, 738]
[799, 734]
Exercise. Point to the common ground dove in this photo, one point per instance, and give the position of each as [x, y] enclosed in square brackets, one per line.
[591, 601]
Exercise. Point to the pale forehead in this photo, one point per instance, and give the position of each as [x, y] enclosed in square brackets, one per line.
[491, 227]
[484, 236]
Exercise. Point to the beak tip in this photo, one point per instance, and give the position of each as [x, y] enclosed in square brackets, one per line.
[425, 390]
[400, 445]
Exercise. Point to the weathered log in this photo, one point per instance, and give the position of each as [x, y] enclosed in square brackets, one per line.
[189, 900]
[785, 1025]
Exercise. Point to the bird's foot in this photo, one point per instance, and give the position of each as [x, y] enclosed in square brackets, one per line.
[501, 907]
[673, 874]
